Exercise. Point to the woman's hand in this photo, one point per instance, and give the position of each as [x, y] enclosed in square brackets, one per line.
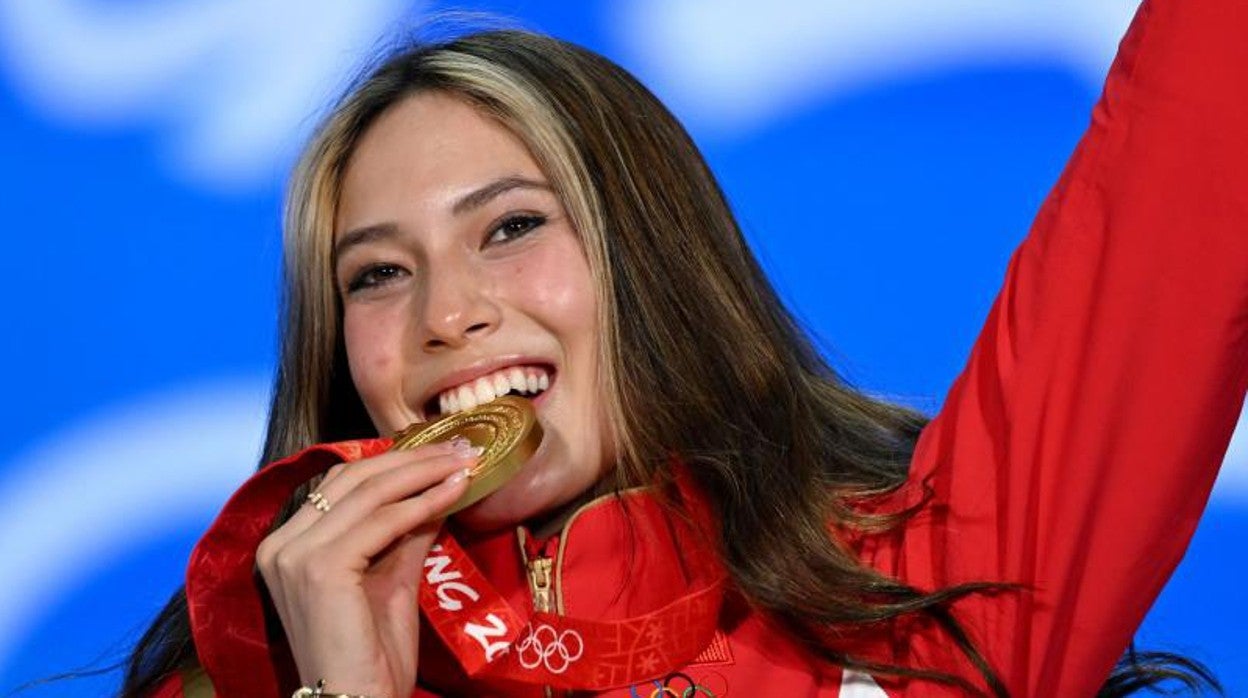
[345, 581]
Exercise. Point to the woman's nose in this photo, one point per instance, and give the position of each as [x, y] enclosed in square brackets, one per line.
[458, 308]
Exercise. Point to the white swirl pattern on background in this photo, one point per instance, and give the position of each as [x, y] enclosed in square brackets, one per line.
[741, 64]
[95, 490]
[1233, 480]
[237, 81]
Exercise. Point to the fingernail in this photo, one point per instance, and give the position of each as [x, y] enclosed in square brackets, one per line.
[463, 448]
[457, 476]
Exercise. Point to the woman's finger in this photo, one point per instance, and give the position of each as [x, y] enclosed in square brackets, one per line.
[362, 502]
[319, 559]
[372, 534]
[344, 477]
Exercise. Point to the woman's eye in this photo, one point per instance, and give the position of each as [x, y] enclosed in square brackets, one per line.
[514, 227]
[374, 276]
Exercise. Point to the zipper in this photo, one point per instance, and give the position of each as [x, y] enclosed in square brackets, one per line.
[540, 584]
[543, 562]
[539, 564]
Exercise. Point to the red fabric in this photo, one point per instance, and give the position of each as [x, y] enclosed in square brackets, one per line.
[1075, 453]
[223, 592]
[476, 624]
[623, 557]
[171, 687]
[1073, 456]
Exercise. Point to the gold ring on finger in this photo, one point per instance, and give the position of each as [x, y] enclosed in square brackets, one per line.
[318, 500]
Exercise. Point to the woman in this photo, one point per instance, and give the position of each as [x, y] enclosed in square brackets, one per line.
[711, 511]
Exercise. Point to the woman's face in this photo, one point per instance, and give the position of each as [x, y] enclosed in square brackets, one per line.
[462, 278]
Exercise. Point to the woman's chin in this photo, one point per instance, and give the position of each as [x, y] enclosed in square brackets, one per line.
[523, 497]
[489, 514]
[550, 482]
[531, 497]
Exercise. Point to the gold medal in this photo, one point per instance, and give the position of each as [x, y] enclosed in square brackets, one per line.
[506, 428]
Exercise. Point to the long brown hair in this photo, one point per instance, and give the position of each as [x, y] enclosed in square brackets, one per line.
[717, 369]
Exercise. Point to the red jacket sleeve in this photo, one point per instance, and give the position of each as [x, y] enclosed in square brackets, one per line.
[1075, 453]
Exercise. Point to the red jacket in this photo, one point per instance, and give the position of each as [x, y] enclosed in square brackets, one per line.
[1073, 456]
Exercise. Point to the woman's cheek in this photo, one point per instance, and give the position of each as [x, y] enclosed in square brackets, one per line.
[372, 355]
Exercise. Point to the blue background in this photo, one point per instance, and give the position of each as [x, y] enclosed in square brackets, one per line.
[884, 163]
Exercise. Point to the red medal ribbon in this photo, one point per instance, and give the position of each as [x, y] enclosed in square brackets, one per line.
[491, 641]
[223, 590]
[488, 637]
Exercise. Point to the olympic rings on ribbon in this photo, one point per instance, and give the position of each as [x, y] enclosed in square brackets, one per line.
[679, 675]
[546, 646]
[665, 688]
[691, 690]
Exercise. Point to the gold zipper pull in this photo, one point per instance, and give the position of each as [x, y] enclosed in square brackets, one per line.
[539, 583]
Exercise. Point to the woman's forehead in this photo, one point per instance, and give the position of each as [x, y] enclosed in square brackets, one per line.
[427, 152]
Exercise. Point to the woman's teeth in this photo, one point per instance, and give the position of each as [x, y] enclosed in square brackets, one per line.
[526, 381]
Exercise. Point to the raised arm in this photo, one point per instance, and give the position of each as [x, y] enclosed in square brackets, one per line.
[1075, 453]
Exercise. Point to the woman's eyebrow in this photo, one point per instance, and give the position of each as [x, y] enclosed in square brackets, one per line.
[480, 197]
[359, 236]
[472, 200]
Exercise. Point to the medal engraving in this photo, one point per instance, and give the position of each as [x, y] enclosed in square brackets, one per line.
[506, 428]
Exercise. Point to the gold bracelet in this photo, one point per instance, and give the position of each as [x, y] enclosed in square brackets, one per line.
[318, 691]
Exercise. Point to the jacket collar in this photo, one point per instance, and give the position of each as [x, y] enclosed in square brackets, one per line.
[620, 557]
[597, 558]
